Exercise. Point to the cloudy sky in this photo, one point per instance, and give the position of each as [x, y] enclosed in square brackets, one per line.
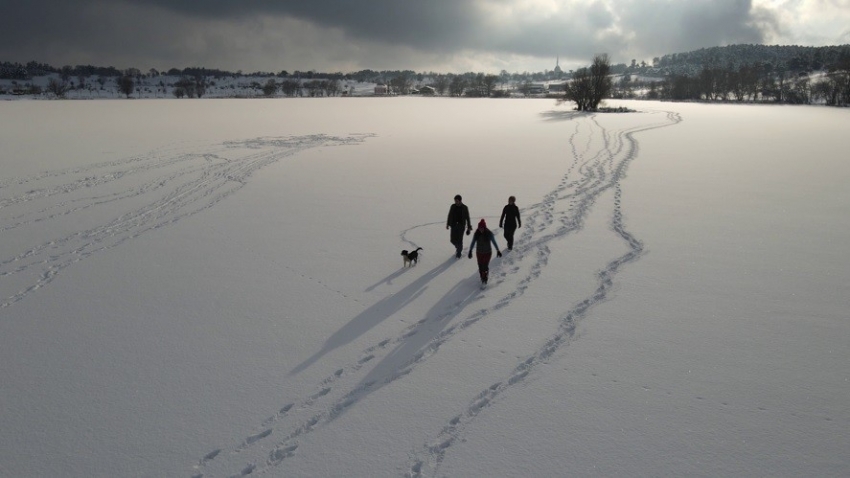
[421, 35]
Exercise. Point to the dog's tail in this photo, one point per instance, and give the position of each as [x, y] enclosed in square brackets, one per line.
[418, 249]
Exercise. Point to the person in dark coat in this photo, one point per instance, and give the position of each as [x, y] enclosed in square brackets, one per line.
[510, 220]
[483, 237]
[457, 220]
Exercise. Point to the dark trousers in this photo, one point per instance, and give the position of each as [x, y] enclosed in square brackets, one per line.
[483, 264]
[509, 235]
[456, 237]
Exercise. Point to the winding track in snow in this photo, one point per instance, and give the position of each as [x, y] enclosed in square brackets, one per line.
[597, 162]
[622, 149]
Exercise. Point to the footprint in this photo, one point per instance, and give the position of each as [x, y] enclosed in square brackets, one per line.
[321, 393]
[279, 454]
[311, 423]
[209, 456]
[259, 436]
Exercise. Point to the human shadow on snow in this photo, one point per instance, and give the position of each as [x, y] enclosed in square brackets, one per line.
[416, 346]
[375, 314]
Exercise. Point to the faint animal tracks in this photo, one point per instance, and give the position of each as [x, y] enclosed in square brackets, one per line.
[142, 193]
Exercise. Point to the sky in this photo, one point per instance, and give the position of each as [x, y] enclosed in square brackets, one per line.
[446, 36]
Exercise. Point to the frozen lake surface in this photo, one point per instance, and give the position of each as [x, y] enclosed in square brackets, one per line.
[214, 288]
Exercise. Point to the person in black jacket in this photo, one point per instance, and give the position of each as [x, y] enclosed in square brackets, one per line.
[458, 218]
[483, 237]
[510, 220]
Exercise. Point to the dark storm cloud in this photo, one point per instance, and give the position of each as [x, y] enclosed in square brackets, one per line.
[40, 28]
[452, 24]
[430, 23]
[365, 34]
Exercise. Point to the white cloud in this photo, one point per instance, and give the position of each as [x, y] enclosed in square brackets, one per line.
[809, 22]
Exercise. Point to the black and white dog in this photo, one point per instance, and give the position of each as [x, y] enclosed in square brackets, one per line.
[410, 258]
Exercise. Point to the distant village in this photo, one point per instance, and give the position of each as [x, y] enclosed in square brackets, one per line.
[735, 73]
[70, 83]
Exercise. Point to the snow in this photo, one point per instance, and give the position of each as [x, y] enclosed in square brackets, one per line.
[214, 288]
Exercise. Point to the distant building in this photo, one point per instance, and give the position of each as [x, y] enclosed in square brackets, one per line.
[538, 88]
[557, 86]
[381, 89]
[558, 72]
[427, 91]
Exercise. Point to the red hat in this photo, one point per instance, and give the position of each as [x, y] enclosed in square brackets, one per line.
[482, 224]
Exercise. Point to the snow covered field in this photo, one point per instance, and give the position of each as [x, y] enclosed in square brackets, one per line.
[214, 288]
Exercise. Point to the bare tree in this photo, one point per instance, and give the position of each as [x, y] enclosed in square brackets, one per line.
[401, 84]
[457, 85]
[525, 87]
[333, 88]
[290, 87]
[590, 86]
[314, 88]
[578, 89]
[600, 75]
[58, 87]
[840, 78]
[126, 85]
[187, 85]
[489, 84]
[441, 84]
[200, 85]
[270, 88]
[477, 87]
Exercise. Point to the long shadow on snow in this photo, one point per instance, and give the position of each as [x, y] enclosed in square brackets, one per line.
[416, 346]
[375, 314]
[560, 115]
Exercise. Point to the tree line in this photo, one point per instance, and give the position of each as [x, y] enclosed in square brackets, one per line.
[778, 57]
[756, 82]
[735, 73]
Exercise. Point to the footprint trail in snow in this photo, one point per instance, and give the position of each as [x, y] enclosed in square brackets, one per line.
[595, 163]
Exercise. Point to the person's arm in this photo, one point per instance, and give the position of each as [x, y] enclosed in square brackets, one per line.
[493, 240]
[518, 220]
[468, 220]
[502, 219]
[449, 218]
[472, 243]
